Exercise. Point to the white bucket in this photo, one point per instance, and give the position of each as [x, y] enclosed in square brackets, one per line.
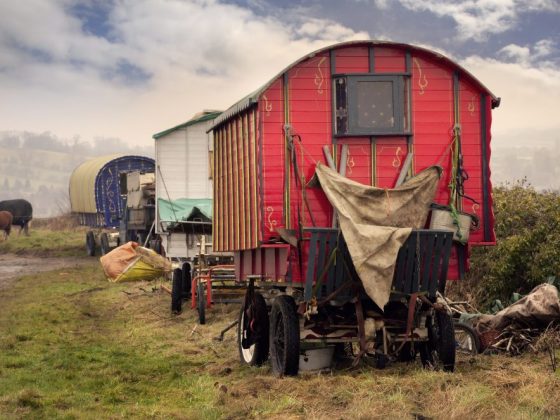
[316, 359]
[443, 220]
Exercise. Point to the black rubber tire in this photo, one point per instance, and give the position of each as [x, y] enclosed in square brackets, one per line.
[177, 292]
[406, 354]
[439, 351]
[186, 279]
[381, 361]
[201, 303]
[90, 243]
[467, 340]
[284, 337]
[104, 241]
[257, 354]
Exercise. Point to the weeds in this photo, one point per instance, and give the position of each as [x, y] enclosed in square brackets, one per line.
[75, 345]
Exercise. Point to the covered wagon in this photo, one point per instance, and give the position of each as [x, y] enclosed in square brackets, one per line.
[184, 207]
[350, 187]
[114, 196]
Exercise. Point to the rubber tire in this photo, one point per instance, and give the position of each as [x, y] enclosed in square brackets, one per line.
[284, 337]
[186, 279]
[261, 346]
[381, 361]
[406, 355]
[439, 351]
[201, 303]
[177, 292]
[90, 243]
[471, 333]
[104, 241]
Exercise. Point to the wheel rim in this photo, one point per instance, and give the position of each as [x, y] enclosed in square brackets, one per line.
[464, 342]
[250, 352]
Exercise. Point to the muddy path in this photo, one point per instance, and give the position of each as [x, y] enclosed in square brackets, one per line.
[13, 266]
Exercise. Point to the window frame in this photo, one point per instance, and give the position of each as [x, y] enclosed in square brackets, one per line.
[352, 81]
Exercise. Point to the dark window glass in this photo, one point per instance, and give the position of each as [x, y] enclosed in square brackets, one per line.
[370, 105]
[375, 105]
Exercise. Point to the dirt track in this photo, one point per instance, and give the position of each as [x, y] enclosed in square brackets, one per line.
[13, 266]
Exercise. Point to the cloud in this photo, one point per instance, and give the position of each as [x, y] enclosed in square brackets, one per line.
[528, 112]
[476, 19]
[142, 66]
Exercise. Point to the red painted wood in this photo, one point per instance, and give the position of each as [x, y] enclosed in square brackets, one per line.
[309, 115]
[389, 60]
[352, 60]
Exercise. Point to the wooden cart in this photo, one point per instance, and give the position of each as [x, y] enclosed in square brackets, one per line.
[332, 308]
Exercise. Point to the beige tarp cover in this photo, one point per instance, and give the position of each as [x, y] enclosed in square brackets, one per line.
[82, 183]
[536, 310]
[131, 262]
[376, 222]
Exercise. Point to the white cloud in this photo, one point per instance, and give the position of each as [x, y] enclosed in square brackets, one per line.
[476, 19]
[528, 113]
[537, 55]
[199, 54]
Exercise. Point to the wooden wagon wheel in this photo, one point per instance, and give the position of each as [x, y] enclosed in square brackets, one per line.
[90, 243]
[439, 350]
[253, 332]
[284, 337]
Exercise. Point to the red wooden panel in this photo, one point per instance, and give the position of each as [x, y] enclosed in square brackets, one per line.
[358, 163]
[390, 154]
[352, 60]
[389, 60]
[271, 108]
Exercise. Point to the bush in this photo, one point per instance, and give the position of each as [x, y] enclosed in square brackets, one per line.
[528, 244]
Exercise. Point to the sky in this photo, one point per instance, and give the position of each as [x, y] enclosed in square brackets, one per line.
[126, 69]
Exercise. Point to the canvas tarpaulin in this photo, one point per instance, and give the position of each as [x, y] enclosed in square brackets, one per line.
[130, 262]
[185, 209]
[376, 222]
[536, 310]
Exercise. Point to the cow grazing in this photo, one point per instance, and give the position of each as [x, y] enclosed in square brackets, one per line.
[6, 223]
[22, 213]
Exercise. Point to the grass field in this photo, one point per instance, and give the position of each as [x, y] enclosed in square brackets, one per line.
[73, 345]
[46, 241]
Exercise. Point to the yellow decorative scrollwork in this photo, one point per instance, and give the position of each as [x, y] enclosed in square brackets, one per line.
[350, 163]
[422, 80]
[475, 207]
[270, 222]
[267, 106]
[472, 106]
[397, 159]
[319, 78]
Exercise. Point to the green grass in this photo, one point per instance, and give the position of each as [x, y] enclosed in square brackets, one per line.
[46, 242]
[73, 345]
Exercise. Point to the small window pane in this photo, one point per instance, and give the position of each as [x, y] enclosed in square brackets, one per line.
[375, 104]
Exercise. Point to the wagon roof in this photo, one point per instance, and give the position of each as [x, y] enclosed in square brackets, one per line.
[198, 118]
[82, 181]
[253, 97]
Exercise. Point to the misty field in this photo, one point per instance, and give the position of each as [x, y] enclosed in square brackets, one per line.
[73, 345]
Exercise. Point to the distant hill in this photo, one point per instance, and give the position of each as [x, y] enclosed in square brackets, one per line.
[37, 167]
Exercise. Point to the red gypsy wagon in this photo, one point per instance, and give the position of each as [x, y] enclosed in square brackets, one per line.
[309, 196]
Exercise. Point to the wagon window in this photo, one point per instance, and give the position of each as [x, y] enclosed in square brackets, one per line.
[369, 105]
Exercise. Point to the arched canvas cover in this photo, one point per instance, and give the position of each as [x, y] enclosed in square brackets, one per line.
[94, 186]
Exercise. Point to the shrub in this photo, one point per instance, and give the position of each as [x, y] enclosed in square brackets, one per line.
[528, 244]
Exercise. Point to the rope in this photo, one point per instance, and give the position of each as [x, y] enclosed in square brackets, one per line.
[167, 192]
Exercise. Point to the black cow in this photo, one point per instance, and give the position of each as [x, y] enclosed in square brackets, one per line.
[22, 212]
